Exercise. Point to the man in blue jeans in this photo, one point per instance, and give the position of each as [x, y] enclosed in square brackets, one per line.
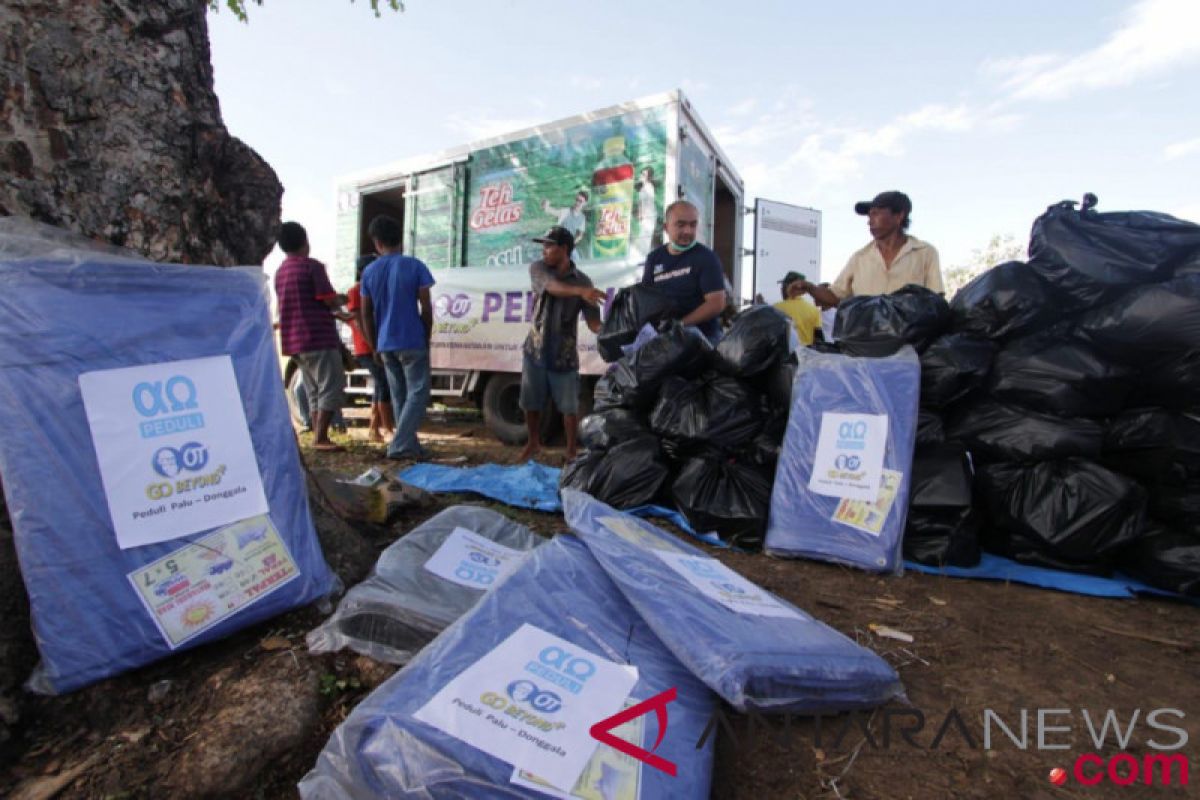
[397, 319]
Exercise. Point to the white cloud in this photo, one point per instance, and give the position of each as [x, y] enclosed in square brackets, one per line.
[472, 128]
[1181, 149]
[743, 108]
[1155, 36]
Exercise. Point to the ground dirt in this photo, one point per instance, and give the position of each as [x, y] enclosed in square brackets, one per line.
[174, 728]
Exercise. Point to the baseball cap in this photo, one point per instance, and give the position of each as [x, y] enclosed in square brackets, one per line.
[791, 277]
[894, 201]
[558, 235]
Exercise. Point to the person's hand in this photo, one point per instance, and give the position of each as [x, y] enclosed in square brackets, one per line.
[592, 296]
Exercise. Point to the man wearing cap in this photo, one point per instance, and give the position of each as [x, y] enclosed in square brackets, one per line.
[688, 272]
[892, 260]
[804, 315]
[550, 364]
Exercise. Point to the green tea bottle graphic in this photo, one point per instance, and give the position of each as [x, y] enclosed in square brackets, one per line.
[612, 198]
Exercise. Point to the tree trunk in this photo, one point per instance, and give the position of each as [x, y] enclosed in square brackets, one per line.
[109, 126]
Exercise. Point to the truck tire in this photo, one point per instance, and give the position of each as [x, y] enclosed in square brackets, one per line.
[502, 412]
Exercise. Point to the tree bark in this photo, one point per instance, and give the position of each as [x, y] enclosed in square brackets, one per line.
[109, 127]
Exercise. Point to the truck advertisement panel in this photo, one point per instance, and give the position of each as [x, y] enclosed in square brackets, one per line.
[602, 180]
[481, 316]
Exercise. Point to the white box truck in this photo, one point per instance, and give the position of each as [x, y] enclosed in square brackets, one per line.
[471, 212]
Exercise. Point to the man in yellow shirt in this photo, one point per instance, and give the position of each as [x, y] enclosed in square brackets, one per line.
[803, 313]
[893, 259]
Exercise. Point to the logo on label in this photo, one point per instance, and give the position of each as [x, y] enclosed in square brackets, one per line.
[496, 207]
[545, 702]
[456, 306]
[562, 668]
[847, 463]
[852, 436]
[170, 461]
[176, 397]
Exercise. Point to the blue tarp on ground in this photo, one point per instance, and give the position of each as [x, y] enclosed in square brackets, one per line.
[996, 568]
[382, 751]
[73, 311]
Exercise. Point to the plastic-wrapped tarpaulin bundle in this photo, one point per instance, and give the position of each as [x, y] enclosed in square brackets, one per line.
[717, 493]
[1149, 323]
[952, 366]
[1056, 373]
[943, 526]
[608, 428]
[879, 325]
[1165, 558]
[73, 312]
[1069, 514]
[1154, 445]
[758, 652]
[995, 431]
[630, 309]
[1090, 257]
[1010, 299]
[627, 475]
[758, 339]
[832, 527]
[418, 588]
[382, 751]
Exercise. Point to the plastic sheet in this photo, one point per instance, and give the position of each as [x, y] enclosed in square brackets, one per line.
[723, 495]
[775, 384]
[756, 341]
[1165, 558]
[529, 485]
[381, 751]
[791, 663]
[1154, 445]
[952, 366]
[630, 309]
[1172, 381]
[942, 526]
[930, 430]
[605, 429]
[1090, 256]
[879, 325]
[1148, 323]
[994, 431]
[1010, 299]
[1068, 514]
[403, 605]
[1052, 372]
[635, 380]
[712, 411]
[805, 523]
[76, 311]
[630, 474]
[1178, 505]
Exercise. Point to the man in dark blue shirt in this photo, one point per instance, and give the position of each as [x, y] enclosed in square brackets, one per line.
[688, 272]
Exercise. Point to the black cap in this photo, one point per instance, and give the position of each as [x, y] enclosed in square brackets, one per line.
[896, 202]
[558, 235]
[791, 277]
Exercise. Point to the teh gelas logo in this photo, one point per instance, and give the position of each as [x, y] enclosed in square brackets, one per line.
[456, 306]
[852, 436]
[170, 461]
[542, 701]
[175, 396]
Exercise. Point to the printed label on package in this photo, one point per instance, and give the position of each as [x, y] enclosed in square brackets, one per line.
[719, 582]
[202, 583]
[631, 532]
[174, 448]
[849, 456]
[870, 517]
[468, 559]
[532, 701]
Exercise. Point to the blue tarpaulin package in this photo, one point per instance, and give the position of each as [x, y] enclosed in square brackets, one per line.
[99, 608]
[758, 652]
[392, 745]
[423, 582]
[841, 485]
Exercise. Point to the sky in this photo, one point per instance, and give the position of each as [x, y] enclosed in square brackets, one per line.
[984, 114]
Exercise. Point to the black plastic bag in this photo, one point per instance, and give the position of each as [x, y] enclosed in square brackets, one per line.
[1068, 514]
[756, 341]
[879, 325]
[994, 431]
[929, 428]
[1010, 299]
[952, 366]
[1171, 382]
[627, 475]
[712, 411]
[630, 309]
[1154, 445]
[942, 527]
[1091, 257]
[775, 383]
[1179, 505]
[1053, 372]
[726, 496]
[610, 427]
[1165, 558]
[1150, 322]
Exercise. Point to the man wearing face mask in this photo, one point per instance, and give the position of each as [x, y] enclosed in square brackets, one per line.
[688, 272]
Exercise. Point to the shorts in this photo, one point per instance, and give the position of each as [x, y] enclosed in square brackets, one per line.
[324, 378]
[382, 393]
[537, 382]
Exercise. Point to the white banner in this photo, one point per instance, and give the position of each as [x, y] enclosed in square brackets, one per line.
[481, 316]
[174, 448]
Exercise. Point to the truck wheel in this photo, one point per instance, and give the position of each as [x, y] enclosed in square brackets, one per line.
[502, 412]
